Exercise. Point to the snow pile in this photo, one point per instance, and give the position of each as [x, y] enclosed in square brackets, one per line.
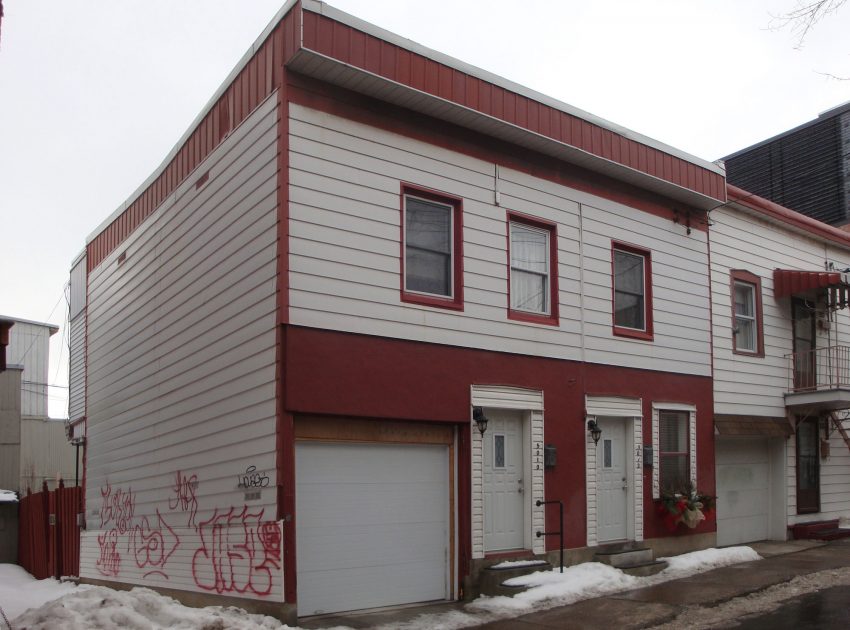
[547, 589]
[705, 560]
[578, 582]
[103, 608]
[8, 496]
[20, 591]
[100, 608]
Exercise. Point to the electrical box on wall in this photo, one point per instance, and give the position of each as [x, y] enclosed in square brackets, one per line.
[647, 456]
[550, 456]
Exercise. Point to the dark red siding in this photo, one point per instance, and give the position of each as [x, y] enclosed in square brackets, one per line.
[331, 373]
[350, 46]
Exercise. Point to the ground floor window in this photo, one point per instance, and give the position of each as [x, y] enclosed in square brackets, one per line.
[673, 456]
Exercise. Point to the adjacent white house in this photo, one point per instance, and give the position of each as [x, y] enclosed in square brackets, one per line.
[781, 336]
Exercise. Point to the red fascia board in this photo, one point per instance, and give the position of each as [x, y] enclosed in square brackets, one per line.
[355, 48]
[787, 216]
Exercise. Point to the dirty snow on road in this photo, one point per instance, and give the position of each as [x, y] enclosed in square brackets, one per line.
[61, 605]
[700, 618]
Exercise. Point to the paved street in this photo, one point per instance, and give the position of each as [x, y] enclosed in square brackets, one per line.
[797, 582]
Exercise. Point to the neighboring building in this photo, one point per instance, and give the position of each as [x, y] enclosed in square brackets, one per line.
[781, 369]
[806, 169]
[284, 337]
[43, 452]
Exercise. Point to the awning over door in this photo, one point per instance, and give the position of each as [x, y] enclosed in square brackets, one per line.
[750, 426]
[792, 282]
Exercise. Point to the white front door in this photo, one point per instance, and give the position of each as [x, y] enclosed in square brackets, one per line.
[612, 480]
[504, 488]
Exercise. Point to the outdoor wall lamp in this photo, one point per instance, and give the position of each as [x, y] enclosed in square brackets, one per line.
[480, 419]
[595, 431]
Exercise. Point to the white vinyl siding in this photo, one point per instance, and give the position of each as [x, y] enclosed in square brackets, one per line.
[834, 480]
[752, 385]
[181, 375]
[29, 346]
[344, 252]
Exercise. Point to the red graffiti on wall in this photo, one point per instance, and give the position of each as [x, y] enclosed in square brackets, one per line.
[153, 547]
[184, 496]
[117, 508]
[109, 561]
[238, 552]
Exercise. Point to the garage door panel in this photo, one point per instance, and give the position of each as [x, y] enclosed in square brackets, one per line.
[735, 503]
[743, 497]
[753, 476]
[353, 588]
[372, 546]
[368, 504]
[372, 524]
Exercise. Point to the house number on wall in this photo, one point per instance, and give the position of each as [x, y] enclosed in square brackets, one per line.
[537, 454]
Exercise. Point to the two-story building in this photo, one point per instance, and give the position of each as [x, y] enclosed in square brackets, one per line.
[781, 371]
[286, 343]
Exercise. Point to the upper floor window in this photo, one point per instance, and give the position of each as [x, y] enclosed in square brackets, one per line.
[632, 291]
[533, 281]
[746, 313]
[432, 244]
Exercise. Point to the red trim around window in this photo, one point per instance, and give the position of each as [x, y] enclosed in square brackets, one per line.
[524, 316]
[647, 334]
[455, 301]
[739, 275]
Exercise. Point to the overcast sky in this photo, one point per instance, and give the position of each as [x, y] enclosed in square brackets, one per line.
[94, 94]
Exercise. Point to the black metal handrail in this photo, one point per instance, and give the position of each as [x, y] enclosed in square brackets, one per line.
[560, 531]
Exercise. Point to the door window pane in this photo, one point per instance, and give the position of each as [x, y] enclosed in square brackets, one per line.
[498, 451]
[606, 454]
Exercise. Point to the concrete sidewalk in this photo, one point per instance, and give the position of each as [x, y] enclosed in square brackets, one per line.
[642, 607]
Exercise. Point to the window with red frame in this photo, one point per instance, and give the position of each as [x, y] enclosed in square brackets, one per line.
[673, 457]
[533, 269]
[632, 291]
[747, 335]
[431, 249]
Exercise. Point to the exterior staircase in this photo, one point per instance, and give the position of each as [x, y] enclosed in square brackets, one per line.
[631, 558]
[819, 530]
[492, 580]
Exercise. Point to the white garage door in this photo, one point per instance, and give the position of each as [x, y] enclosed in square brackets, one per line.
[743, 496]
[372, 525]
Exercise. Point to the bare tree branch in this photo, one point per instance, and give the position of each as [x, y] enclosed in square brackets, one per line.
[804, 17]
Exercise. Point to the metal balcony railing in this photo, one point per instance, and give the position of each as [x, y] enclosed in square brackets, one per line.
[820, 369]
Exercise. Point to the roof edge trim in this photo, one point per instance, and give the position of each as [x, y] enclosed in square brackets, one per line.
[322, 8]
[787, 216]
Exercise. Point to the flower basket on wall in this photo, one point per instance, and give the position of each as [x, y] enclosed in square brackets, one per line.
[687, 506]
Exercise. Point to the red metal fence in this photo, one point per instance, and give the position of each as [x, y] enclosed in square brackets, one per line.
[48, 533]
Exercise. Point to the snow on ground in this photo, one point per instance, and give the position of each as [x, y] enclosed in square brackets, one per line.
[516, 564]
[19, 590]
[100, 608]
[8, 496]
[139, 609]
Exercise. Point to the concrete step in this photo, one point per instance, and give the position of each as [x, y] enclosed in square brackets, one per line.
[625, 557]
[812, 529]
[830, 534]
[644, 569]
[492, 578]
